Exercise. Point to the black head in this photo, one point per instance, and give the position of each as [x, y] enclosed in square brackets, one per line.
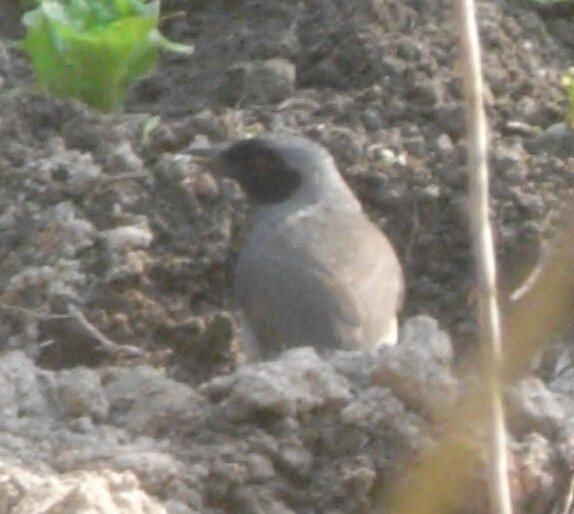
[263, 170]
[272, 168]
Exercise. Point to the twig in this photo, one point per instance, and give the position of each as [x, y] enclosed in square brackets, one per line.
[483, 249]
[569, 499]
[536, 272]
[105, 342]
[131, 175]
[416, 223]
[32, 313]
[532, 277]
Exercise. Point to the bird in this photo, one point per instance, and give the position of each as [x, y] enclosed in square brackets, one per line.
[314, 269]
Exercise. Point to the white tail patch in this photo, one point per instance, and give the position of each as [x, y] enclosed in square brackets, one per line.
[391, 337]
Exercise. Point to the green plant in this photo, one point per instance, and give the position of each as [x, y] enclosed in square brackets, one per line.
[568, 83]
[92, 50]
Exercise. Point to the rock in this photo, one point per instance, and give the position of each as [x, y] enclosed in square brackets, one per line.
[532, 407]
[75, 234]
[24, 492]
[62, 280]
[76, 170]
[557, 139]
[128, 237]
[297, 382]
[376, 409]
[534, 477]
[259, 468]
[123, 159]
[418, 370]
[80, 393]
[261, 82]
[25, 391]
[147, 403]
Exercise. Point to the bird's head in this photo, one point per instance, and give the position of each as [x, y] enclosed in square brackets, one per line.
[272, 169]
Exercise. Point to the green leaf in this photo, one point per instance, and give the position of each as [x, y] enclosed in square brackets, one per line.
[150, 125]
[93, 50]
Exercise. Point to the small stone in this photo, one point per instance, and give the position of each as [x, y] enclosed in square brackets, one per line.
[262, 82]
[259, 468]
[128, 237]
[372, 120]
[444, 144]
[80, 393]
[533, 407]
[122, 158]
[205, 186]
[296, 460]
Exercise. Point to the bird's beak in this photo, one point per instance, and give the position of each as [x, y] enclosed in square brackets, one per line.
[208, 155]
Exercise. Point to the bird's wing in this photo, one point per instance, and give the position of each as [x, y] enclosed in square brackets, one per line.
[297, 301]
[376, 276]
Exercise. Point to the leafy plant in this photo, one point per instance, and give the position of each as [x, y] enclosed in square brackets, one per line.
[92, 50]
[568, 83]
